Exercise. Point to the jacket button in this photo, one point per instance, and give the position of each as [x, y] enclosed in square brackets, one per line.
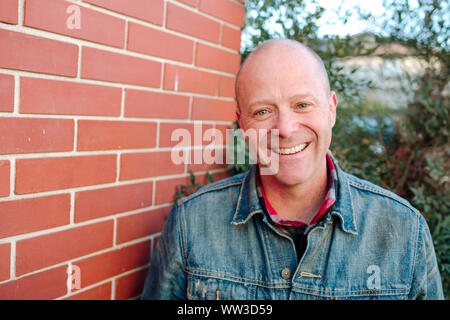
[286, 273]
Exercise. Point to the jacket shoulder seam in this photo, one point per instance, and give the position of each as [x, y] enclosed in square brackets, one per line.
[385, 193]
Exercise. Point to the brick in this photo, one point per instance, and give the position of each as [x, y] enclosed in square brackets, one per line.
[39, 175]
[4, 178]
[151, 11]
[42, 96]
[5, 261]
[226, 86]
[114, 67]
[101, 292]
[225, 10]
[165, 190]
[109, 135]
[9, 11]
[221, 175]
[29, 215]
[146, 165]
[141, 225]
[217, 59]
[108, 201]
[213, 109]
[231, 38]
[112, 263]
[191, 23]
[196, 135]
[23, 135]
[46, 285]
[30, 53]
[131, 285]
[159, 43]
[6, 93]
[203, 166]
[56, 16]
[192, 3]
[42, 251]
[146, 104]
[184, 79]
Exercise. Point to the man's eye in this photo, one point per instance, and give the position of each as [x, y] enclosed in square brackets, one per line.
[301, 105]
[261, 112]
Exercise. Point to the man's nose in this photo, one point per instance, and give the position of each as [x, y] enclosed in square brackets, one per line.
[287, 124]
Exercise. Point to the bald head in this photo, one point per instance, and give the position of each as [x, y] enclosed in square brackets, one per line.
[275, 51]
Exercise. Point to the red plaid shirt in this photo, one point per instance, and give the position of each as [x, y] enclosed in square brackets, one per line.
[330, 199]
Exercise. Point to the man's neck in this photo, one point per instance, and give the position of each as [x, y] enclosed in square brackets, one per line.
[299, 202]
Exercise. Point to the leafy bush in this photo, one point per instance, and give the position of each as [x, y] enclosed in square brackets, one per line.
[239, 146]
[388, 155]
[431, 198]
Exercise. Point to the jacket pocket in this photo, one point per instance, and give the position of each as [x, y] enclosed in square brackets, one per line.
[210, 288]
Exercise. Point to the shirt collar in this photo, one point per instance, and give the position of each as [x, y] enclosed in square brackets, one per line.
[248, 202]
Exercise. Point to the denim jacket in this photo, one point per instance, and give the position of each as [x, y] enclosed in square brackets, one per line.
[218, 244]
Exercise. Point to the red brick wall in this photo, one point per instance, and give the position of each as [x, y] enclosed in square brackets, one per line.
[86, 114]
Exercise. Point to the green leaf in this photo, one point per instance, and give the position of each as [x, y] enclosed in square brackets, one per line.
[209, 177]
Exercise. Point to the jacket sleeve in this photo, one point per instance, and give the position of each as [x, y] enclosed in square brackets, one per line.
[166, 277]
[426, 280]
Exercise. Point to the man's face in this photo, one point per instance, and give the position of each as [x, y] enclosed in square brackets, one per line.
[285, 90]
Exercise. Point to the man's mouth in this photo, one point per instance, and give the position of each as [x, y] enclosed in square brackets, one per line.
[292, 150]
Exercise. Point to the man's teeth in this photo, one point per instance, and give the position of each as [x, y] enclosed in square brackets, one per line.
[295, 149]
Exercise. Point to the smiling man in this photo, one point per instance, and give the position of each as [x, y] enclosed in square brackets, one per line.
[287, 89]
[308, 230]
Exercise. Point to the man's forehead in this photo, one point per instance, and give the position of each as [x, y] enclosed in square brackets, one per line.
[272, 49]
[283, 55]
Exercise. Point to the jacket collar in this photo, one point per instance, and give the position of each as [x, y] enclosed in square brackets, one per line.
[343, 208]
[248, 202]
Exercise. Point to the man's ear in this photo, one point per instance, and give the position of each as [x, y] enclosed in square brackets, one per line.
[333, 106]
